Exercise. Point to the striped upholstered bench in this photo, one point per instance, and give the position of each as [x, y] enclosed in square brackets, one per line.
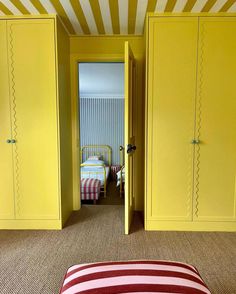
[144, 276]
[90, 189]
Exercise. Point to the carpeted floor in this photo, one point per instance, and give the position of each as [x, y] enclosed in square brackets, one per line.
[33, 262]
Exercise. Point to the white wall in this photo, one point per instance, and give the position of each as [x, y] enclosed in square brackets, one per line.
[101, 80]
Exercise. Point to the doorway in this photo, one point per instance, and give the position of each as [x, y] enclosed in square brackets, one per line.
[129, 138]
[101, 125]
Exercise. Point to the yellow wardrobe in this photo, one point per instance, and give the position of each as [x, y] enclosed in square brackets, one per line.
[35, 136]
[191, 123]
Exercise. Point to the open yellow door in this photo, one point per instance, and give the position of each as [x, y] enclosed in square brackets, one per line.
[129, 135]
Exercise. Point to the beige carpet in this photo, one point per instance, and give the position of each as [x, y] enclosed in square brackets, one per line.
[33, 262]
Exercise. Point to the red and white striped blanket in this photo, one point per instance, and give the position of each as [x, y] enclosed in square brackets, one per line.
[145, 276]
[90, 189]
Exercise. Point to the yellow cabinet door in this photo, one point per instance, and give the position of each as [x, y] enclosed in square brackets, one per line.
[6, 168]
[215, 174]
[172, 58]
[32, 71]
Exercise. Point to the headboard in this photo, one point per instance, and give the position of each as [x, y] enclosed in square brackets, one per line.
[101, 150]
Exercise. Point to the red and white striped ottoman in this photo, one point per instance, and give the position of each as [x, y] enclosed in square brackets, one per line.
[90, 189]
[145, 276]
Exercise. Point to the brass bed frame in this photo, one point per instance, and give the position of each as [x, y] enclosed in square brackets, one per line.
[104, 151]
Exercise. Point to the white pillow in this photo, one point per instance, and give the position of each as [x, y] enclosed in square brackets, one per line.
[94, 157]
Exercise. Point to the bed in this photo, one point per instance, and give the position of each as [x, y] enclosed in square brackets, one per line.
[96, 162]
[140, 276]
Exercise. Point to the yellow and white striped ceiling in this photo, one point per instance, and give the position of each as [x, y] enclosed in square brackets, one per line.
[110, 16]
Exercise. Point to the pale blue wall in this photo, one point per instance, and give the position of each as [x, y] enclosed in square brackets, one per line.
[102, 123]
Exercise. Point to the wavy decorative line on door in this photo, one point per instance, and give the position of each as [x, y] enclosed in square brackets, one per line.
[199, 114]
[190, 171]
[14, 118]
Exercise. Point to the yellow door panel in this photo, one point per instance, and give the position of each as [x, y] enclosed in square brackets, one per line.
[129, 135]
[6, 168]
[171, 100]
[215, 177]
[34, 112]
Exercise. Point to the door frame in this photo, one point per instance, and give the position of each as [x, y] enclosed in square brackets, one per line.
[75, 60]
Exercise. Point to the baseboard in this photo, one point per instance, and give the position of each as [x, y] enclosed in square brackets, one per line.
[154, 225]
[30, 225]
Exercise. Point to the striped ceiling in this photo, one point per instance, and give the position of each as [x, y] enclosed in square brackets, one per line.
[109, 16]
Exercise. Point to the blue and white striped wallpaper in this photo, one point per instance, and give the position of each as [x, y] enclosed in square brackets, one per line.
[102, 123]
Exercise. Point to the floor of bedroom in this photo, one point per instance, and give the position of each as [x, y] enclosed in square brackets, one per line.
[33, 262]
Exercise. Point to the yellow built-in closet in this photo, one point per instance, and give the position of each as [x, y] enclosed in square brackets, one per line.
[35, 120]
[191, 123]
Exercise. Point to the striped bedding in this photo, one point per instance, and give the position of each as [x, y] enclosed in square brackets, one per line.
[90, 189]
[164, 277]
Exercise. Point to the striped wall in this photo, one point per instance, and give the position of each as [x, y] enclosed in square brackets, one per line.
[107, 17]
[102, 123]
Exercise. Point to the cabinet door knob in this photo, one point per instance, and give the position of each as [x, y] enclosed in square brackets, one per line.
[195, 141]
[13, 141]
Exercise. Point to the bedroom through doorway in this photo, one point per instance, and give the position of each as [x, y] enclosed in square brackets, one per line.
[101, 126]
